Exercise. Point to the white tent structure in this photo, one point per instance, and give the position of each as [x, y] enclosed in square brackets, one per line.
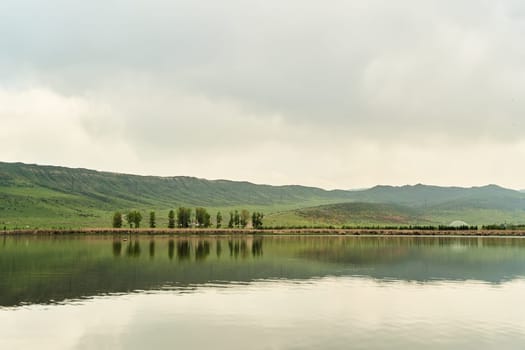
[458, 223]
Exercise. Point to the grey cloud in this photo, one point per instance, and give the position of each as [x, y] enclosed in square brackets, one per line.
[404, 64]
[186, 76]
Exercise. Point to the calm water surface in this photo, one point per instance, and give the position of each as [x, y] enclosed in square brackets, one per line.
[262, 293]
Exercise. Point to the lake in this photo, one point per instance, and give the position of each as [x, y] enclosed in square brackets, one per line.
[262, 292]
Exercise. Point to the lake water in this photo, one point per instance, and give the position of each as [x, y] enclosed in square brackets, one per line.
[262, 293]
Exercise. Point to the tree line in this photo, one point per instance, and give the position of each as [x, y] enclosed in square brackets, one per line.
[185, 217]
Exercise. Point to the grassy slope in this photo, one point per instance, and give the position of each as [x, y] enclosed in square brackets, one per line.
[46, 196]
[381, 214]
[43, 196]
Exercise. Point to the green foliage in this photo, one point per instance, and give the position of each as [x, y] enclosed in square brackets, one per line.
[257, 220]
[184, 217]
[137, 219]
[202, 218]
[245, 217]
[130, 219]
[503, 227]
[236, 218]
[218, 220]
[230, 222]
[171, 219]
[117, 220]
[134, 218]
[152, 220]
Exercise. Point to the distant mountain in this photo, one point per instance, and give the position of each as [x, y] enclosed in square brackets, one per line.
[34, 195]
[490, 196]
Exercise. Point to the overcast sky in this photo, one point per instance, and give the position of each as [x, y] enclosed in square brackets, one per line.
[334, 94]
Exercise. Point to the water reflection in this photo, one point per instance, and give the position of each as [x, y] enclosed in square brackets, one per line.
[183, 250]
[326, 313]
[117, 248]
[151, 248]
[257, 247]
[202, 250]
[238, 247]
[82, 266]
[171, 248]
[218, 249]
[133, 249]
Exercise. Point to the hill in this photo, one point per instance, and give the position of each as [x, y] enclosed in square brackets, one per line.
[350, 213]
[389, 214]
[43, 196]
[487, 197]
[50, 196]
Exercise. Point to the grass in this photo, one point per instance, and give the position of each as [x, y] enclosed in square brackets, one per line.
[381, 214]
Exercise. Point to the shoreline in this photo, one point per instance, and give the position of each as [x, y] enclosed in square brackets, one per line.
[299, 232]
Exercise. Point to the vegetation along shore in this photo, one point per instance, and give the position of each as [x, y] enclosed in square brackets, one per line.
[513, 232]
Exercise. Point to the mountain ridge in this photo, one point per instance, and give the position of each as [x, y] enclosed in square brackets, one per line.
[35, 193]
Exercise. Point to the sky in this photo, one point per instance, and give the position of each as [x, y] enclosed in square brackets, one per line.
[332, 94]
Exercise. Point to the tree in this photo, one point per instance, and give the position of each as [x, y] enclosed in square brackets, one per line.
[137, 218]
[207, 220]
[257, 220]
[218, 220]
[152, 219]
[184, 217]
[134, 217]
[230, 223]
[245, 216]
[130, 218]
[202, 218]
[236, 218]
[171, 219]
[117, 220]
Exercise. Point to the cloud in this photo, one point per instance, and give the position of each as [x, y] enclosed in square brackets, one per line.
[293, 92]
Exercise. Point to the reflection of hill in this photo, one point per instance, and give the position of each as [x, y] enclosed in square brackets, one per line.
[424, 258]
[45, 270]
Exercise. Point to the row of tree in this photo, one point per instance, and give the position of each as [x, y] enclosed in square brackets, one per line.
[182, 218]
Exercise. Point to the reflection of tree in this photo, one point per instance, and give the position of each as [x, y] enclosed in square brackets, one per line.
[89, 265]
[238, 247]
[171, 248]
[230, 247]
[218, 249]
[183, 250]
[244, 248]
[257, 247]
[202, 250]
[151, 248]
[117, 248]
[133, 249]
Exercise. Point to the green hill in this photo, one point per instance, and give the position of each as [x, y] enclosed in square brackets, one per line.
[388, 214]
[50, 196]
[350, 213]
